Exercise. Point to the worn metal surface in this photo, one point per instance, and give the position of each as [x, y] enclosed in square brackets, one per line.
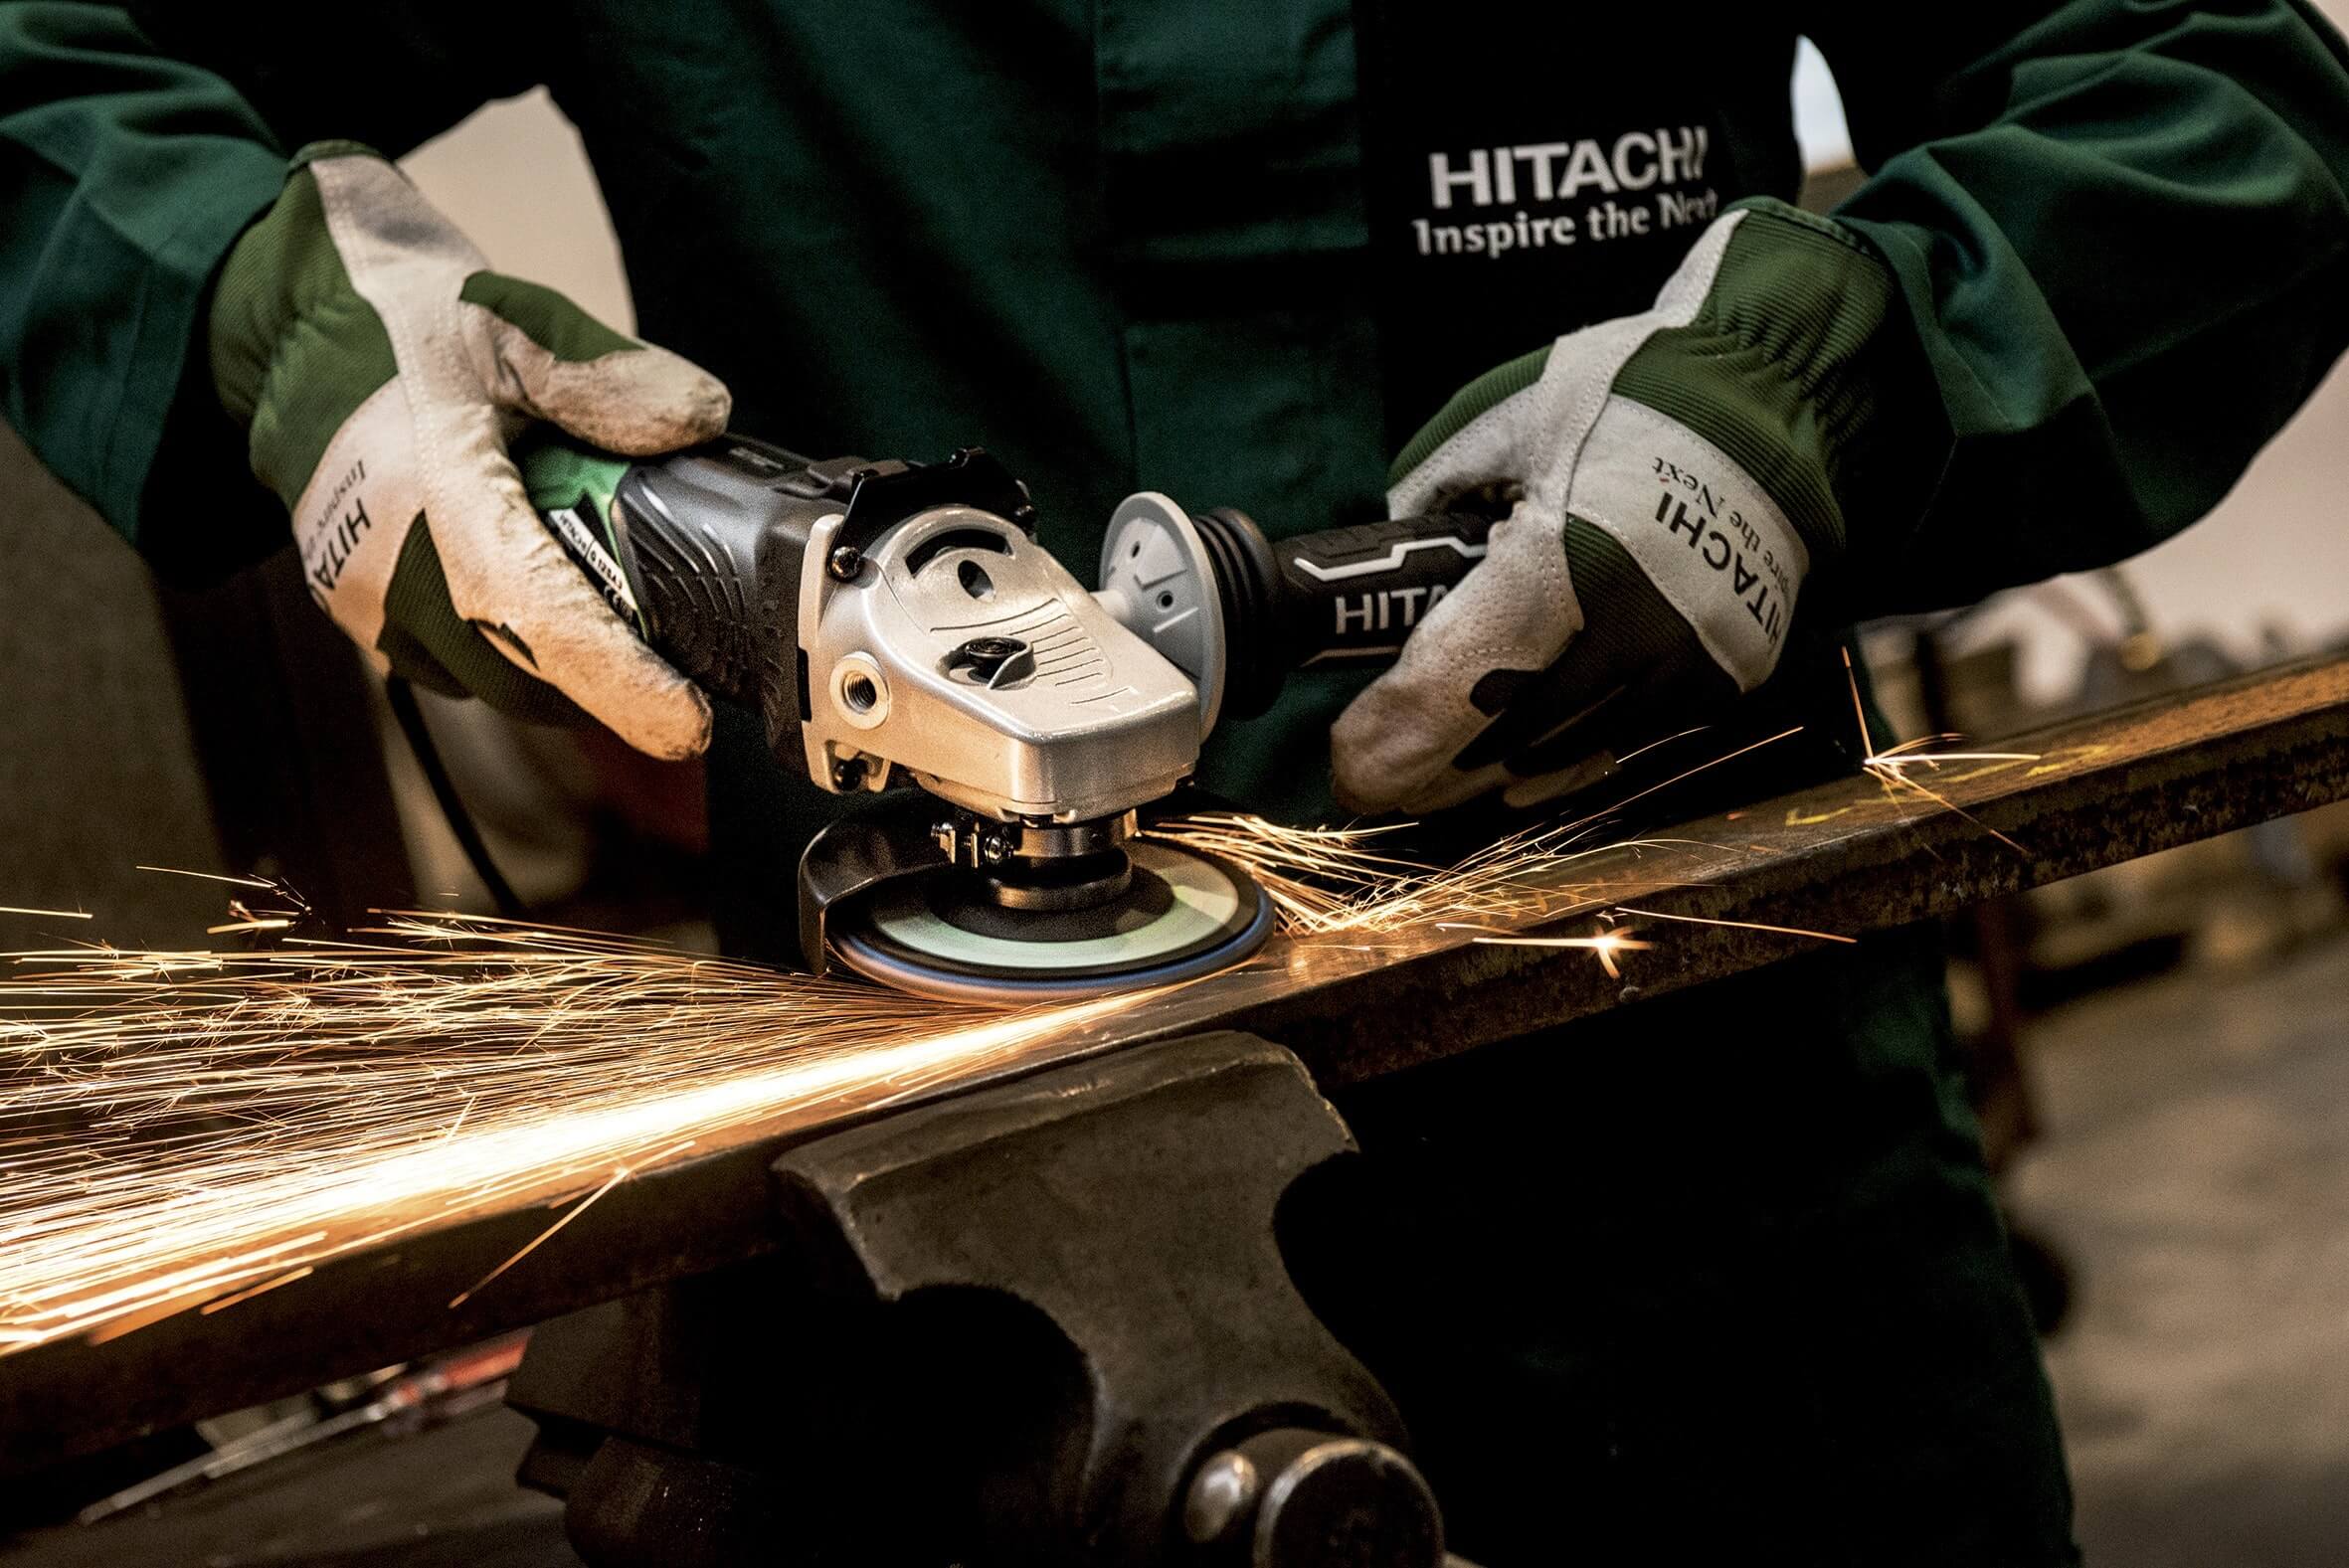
[1854, 856]
[1844, 858]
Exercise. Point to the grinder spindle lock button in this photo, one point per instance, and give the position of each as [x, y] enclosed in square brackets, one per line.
[993, 661]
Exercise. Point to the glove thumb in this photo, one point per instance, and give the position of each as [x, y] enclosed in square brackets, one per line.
[548, 358]
[1397, 744]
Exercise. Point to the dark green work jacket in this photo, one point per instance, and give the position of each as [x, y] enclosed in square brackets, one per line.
[1717, 1282]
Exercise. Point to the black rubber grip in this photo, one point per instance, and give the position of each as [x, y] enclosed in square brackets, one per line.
[702, 552]
[1341, 595]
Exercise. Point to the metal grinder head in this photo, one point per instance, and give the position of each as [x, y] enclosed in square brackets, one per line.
[1007, 915]
[954, 650]
[899, 623]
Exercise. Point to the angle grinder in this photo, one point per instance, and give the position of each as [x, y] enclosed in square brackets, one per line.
[896, 621]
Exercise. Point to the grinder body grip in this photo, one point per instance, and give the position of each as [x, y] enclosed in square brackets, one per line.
[706, 552]
[701, 552]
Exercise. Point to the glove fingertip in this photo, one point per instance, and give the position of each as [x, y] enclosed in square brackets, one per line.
[646, 703]
[643, 402]
[664, 716]
[680, 736]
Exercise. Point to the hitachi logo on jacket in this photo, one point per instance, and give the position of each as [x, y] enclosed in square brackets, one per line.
[1544, 171]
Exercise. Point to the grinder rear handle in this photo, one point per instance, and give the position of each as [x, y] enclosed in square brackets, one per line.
[1238, 612]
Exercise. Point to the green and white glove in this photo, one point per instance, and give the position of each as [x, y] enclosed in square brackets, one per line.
[1680, 475]
[380, 369]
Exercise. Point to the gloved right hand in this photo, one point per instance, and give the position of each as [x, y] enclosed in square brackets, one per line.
[380, 369]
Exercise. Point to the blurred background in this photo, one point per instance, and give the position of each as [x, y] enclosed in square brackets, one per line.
[2161, 1051]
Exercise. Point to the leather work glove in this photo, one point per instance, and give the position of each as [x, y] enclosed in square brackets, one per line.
[1679, 476]
[380, 369]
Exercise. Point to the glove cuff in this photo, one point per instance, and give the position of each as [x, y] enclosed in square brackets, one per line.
[311, 152]
[284, 260]
[1802, 366]
[284, 270]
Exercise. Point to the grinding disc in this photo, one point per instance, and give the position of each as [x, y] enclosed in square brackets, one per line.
[1184, 913]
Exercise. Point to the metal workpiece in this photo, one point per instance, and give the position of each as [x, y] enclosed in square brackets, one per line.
[1848, 856]
[959, 650]
[1854, 855]
[1065, 1295]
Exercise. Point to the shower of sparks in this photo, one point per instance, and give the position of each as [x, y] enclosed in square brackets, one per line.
[190, 1130]
[1334, 883]
[177, 1128]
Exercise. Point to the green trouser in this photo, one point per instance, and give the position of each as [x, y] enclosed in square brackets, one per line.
[1713, 1278]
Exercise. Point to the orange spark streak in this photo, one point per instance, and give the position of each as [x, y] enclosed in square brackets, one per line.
[224, 1302]
[1858, 707]
[48, 914]
[1642, 751]
[214, 876]
[1743, 924]
[620, 1175]
[1690, 773]
[1605, 945]
[1887, 766]
[1946, 803]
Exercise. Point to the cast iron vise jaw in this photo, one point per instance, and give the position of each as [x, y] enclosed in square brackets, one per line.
[1045, 1323]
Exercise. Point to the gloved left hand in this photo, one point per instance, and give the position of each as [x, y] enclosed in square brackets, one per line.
[1682, 473]
[380, 369]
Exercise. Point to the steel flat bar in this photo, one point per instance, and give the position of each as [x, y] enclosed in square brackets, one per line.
[1850, 856]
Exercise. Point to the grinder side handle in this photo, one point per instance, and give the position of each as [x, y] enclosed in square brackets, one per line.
[1238, 612]
[1347, 594]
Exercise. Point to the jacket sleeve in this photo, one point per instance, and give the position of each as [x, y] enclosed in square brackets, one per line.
[137, 140]
[2120, 229]
[124, 178]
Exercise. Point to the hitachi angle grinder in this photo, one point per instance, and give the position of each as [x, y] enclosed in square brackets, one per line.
[898, 622]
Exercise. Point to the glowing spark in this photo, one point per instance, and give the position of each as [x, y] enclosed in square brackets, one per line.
[1946, 803]
[619, 1175]
[46, 914]
[1743, 925]
[1690, 773]
[214, 876]
[223, 1303]
[1642, 751]
[1605, 945]
[1858, 707]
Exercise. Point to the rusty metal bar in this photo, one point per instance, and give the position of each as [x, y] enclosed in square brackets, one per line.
[1844, 858]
